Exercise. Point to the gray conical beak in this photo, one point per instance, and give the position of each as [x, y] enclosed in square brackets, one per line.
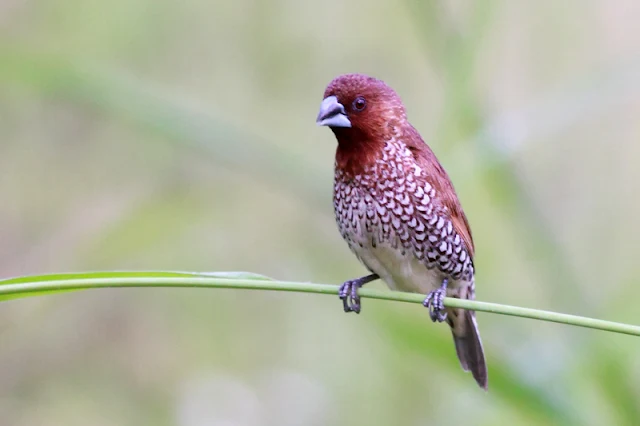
[332, 113]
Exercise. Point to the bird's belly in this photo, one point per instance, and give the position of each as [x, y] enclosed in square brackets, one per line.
[399, 269]
[409, 252]
[383, 252]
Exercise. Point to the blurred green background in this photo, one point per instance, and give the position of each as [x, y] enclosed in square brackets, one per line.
[156, 134]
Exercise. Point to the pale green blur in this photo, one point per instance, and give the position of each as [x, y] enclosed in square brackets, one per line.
[155, 134]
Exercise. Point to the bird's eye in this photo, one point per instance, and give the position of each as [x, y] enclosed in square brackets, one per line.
[359, 103]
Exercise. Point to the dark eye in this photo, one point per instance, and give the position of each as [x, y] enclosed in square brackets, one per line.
[359, 103]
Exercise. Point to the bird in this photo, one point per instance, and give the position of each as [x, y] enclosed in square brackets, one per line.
[398, 211]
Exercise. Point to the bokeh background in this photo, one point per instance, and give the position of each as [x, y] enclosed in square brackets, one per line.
[180, 135]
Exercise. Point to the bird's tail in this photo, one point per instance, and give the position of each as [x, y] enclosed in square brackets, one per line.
[468, 344]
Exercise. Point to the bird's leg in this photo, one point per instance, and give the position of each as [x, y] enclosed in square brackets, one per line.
[435, 302]
[349, 292]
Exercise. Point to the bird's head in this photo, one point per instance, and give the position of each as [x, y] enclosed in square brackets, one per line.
[361, 111]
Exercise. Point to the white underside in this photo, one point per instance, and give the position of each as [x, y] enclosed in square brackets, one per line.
[401, 272]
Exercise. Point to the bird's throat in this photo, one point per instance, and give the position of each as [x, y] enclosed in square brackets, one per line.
[355, 152]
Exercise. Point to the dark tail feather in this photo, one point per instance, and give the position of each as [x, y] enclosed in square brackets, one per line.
[469, 347]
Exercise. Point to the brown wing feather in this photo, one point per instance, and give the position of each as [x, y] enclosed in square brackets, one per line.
[438, 178]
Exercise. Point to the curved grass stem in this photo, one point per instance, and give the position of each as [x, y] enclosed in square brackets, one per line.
[24, 287]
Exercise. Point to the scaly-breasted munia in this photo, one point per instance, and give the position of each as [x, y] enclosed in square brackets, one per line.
[397, 209]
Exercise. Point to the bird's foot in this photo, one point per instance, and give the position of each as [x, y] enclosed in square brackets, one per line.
[435, 302]
[349, 293]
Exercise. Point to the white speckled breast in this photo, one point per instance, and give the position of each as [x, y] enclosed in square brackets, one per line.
[388, 217]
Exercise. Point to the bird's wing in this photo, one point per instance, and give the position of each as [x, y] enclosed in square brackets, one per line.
[437, 177]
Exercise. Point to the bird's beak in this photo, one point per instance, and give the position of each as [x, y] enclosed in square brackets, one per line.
[332, 113]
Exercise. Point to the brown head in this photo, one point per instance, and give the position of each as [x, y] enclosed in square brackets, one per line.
[362, 112]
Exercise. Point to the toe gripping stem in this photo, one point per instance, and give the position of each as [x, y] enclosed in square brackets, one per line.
[435, 302]
[349, 292]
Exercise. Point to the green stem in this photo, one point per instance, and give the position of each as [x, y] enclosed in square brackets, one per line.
[253, 284]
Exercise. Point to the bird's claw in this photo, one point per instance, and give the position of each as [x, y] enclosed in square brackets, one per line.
[435, 302]
[349, 295]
